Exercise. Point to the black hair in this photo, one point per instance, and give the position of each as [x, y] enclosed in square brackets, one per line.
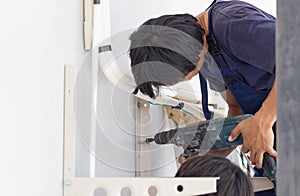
[164, 50]
[233, 181]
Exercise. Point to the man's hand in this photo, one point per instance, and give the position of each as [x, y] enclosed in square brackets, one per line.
[258, 138]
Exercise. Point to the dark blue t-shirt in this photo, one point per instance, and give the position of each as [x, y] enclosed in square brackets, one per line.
[246, 37]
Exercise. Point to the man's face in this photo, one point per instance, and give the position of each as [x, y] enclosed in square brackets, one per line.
[201, 61]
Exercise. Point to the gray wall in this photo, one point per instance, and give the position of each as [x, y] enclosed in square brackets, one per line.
[288, 97]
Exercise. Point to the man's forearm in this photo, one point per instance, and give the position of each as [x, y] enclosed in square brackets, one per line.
[268, 109]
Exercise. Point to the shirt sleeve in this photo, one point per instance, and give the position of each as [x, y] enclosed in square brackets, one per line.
[251, 38]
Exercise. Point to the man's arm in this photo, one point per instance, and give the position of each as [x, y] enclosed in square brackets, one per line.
[234, 107]
[258, 136]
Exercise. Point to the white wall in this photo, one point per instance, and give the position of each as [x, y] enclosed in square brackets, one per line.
[134, 12]
[37, 39]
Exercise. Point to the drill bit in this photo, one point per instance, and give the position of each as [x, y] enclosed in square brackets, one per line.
[146, 141]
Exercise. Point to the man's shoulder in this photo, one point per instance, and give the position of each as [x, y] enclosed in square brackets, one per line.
[240, 29]
[234, 19]
[237, 10]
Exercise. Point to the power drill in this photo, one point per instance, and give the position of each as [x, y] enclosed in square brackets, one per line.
[210, 135]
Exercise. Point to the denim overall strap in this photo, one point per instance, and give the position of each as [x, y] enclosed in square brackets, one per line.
[204, 92]
[207, 114]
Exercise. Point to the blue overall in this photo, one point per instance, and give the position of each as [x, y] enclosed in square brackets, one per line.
[249, 99]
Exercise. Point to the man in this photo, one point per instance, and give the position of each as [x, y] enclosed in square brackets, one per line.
[241, 40]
